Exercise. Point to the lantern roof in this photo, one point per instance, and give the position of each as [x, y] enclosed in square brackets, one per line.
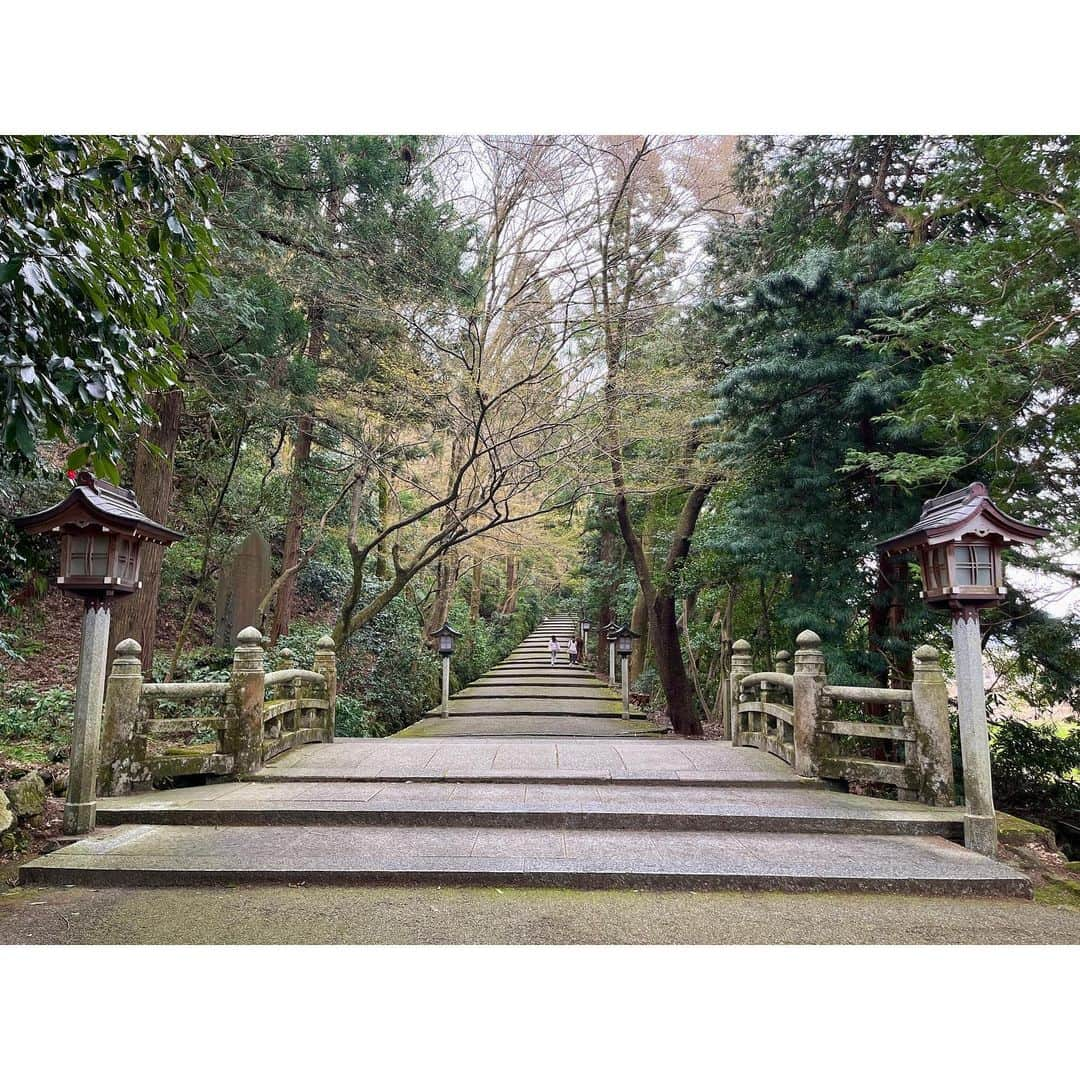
[102, 503]
[446, 628]
[958, 514]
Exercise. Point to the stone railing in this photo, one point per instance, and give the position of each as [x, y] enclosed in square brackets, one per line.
[254, 716]
[826, 731]
[763, 714]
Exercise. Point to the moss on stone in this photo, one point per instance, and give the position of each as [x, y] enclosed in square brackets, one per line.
[1014, 828]
[1059, 892]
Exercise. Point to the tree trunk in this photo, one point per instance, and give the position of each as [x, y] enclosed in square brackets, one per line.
[663, 620]
[764, 632]
[446, 579]
[609, 557]
[294, 525]
[477, 588]
[639, 623]
[382, 552]
[887, 614]
[510, 603]
[668, 657]
[448, 565]
[153, 485]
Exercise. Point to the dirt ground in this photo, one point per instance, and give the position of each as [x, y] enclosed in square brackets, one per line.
[451, 915]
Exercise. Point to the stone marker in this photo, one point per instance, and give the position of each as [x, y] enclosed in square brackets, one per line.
[240, 589]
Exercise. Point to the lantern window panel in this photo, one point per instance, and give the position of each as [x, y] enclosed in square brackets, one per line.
[125, 560]
[974, 565]
[88, 555]
[78, 547]
[99, 556]
[939, 568]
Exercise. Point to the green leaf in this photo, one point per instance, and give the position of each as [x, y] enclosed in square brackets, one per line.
[78, 457]
[106, 468]
[10, 269]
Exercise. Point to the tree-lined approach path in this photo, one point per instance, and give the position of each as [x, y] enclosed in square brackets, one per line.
[552, 793]
[525, 695]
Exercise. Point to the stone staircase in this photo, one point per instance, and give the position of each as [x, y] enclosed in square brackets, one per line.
[564, 810]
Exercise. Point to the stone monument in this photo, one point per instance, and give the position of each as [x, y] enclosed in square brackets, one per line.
[240, 589]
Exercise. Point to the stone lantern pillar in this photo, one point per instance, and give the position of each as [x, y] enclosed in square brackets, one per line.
[959, 540]
[101, 529]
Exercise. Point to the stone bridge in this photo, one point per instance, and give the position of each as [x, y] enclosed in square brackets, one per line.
[535, 777]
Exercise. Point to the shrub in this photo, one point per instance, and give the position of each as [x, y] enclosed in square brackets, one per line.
[1036, 772]
[41, 715]
[325, 581]
[353, 721]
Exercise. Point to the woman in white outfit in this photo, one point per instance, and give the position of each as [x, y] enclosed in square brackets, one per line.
[553, 648]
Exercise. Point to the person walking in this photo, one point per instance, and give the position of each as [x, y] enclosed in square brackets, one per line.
[553, 648]
[572, 651]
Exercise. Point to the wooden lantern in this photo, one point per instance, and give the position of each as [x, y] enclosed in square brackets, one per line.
[101, 529]
[445, 639]
[958, 541]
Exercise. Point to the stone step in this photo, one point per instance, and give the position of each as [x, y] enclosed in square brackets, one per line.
[525, 724]
[557, 690]
[535, 776]
[667, 807]
[535, 759]
[133, 855]
[532, 705]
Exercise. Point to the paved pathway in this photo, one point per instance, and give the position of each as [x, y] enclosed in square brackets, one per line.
[526, 695]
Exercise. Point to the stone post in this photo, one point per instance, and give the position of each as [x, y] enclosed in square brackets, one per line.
[123, 749]
[286, 659]
[283, 692]
[445, 684]
[248, 688]
[625, 665]
[809, 678]
[782, 663]
[80, 809]
[326, 665]
[611, 662]
[980, 823]
[933, 745]
[741, 666]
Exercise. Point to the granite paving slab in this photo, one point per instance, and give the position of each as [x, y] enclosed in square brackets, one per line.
[524, 805]
[530, 704]
[538, 724]
[550, 692]
[577, 758]
[156, 854]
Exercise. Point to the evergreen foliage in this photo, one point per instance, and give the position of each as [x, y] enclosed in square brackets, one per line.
[103, 243]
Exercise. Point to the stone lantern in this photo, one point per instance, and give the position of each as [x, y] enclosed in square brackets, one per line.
[607, 633]
[101, 531]
[624, 647]
[445, 636]
[958, 541]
